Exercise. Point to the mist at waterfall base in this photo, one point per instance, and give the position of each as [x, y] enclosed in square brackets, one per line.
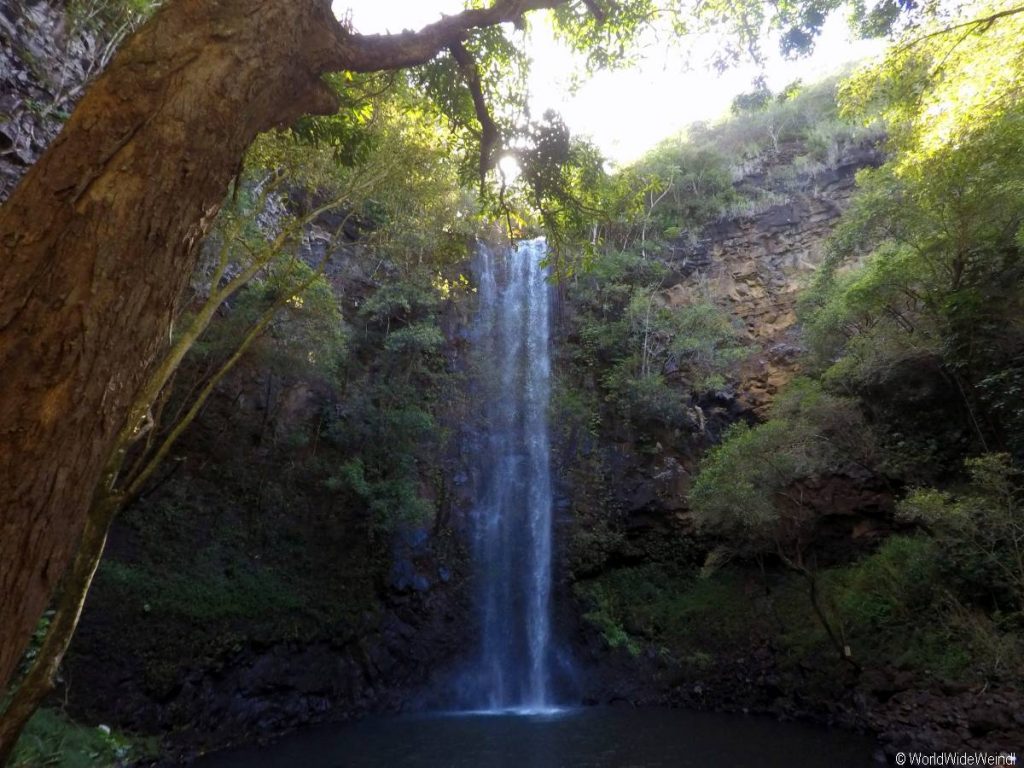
[509, 706]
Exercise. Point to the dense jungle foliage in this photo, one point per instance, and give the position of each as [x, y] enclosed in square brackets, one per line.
[910, 384]
[328, 313]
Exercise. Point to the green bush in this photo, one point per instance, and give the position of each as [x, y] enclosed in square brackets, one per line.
[903, 606]
[742, 493]
[648, 358]
[51, 739]
[676, 610]
[897, 585]
[979, 529]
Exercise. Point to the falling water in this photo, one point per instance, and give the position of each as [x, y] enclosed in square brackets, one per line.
[512, 514]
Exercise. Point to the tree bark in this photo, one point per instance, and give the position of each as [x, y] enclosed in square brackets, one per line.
[100, 237]
[41, 676]
[98, 241]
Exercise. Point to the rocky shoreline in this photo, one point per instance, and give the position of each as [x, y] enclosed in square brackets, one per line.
[887, 704]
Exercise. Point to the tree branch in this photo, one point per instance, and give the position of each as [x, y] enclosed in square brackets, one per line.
[984, 21]
[138, 482]
[490, 136]
[596, 10]
[371, 53]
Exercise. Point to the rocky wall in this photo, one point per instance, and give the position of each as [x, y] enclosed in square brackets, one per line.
[45, 63]
[755, 266]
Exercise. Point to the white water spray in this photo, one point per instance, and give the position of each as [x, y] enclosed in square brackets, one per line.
[513, 511]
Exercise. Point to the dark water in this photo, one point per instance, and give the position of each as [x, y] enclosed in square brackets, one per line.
[580, 738]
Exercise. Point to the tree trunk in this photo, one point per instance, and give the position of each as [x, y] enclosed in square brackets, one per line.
[100, 237]
[98, 241]
[837, 642]
[39, 680]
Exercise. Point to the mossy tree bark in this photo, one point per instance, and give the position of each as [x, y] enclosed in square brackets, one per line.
[99, 239]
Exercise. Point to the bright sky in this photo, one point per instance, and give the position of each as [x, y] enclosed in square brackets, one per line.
[627, 112]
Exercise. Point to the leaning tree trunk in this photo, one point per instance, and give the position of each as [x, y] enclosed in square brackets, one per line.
[99, 239]
[40, 679]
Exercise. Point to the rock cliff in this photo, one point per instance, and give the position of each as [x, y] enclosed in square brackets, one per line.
[755, 265]
[652, 629]
[45, 64]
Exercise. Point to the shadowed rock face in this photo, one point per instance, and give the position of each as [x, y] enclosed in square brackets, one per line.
[212, 683]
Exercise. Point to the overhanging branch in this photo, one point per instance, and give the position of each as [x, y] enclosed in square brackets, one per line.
[596, 10]
[983, 22]
[372, 53]
[490, 136]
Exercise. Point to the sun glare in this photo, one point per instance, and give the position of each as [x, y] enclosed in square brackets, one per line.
[626, 112]
[509, 168]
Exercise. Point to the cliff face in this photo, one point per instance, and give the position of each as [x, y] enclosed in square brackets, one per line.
[241, 597]
[653, 626]
[631, 486]
[44, 66]
[755, 265]
[651, 630]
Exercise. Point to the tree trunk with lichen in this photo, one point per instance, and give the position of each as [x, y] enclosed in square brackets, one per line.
[97, 243]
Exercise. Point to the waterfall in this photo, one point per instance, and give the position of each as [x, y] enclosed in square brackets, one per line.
[512, 481]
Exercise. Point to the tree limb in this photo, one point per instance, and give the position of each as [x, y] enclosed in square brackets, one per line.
[984, 21]
[596, 10]
[371, 53]
[490, 136]
[138, 482]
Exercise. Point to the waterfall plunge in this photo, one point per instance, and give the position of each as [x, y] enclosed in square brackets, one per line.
[513, 510]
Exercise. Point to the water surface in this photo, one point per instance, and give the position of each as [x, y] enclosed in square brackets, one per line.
[578, 738]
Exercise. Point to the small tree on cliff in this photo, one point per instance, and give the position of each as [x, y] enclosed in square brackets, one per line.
[750, 494]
